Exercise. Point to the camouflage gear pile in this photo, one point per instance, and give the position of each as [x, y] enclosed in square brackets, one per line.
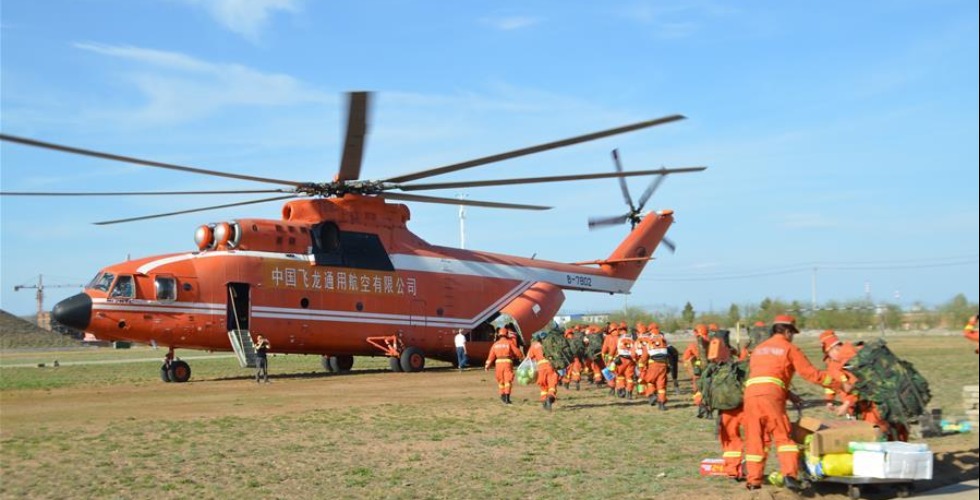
[899, 391]
[722, 385]
[557, 349]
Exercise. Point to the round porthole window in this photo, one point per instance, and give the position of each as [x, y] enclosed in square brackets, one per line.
[359, 306]
[304, 303]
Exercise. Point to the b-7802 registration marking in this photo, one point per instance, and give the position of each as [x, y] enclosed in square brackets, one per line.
[579, 280]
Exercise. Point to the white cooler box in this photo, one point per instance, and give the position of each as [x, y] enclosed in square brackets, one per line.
[893, 460]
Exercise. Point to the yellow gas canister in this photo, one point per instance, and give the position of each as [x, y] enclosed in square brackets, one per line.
[837, 464]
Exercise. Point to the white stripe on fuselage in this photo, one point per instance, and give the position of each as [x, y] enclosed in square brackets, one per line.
[588, 279]
[150, 306]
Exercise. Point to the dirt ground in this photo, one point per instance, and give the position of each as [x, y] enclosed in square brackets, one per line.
[92, 410]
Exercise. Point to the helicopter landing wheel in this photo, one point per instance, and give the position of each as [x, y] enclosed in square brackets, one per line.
[395, 364]
[179, 371]
[328, 364]
[165, 373]
[412, 359]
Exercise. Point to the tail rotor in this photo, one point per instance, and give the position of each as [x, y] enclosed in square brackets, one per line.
[633, 216]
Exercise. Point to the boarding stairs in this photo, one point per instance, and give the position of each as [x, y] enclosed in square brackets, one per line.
[241, 343]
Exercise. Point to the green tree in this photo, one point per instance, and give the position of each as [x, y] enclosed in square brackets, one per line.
[688, 314]
[734, 316]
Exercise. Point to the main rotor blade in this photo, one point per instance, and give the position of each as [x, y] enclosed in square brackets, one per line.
[595, 222]
[137, 161]
[131, 219]
[350, 161]
[533, 180]
[622, 181]
[136, 193]
[669, 243]
[533, 149]
[652, 188]
[457, 201]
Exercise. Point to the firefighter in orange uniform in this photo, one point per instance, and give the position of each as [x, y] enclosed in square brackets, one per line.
[625, 366]
[503, 353]
[609, 346]
[547, 376]
[771, 368]
[656, 358]
[693, 361]
[573, 373]
[838, 354]
[594, 334]
[970, 332]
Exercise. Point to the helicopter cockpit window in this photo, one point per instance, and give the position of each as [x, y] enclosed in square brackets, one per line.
[123, 289]
[101, 281]
[166, 288]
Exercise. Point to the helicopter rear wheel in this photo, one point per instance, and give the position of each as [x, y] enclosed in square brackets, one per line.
[179, 371]
[412, 359]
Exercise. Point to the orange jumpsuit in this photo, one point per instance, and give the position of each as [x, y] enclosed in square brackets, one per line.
[970, 332]
[771, 370]
[656, 359]
[609, 344]
[731, 440]
[625, 366]
[692, 360]
[547, 376]
[503, 353]
[591, 364]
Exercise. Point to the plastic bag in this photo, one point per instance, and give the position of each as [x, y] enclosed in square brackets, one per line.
[527, 372]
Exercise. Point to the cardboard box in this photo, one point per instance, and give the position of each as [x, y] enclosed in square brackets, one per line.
[899, 461]
[832, 436]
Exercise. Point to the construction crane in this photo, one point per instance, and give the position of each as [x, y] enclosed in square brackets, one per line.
[43, 320]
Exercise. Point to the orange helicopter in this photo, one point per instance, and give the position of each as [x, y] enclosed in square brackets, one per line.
[341, 275]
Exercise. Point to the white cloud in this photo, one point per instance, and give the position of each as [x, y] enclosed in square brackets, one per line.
[178, 87]
[246, 17]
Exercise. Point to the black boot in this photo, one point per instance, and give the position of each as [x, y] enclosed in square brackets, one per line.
[578, 385]
[548, 401]
[653, 400]
[503, 398]
[662, 405]
[629, 395]
[792, 484]
[507, 399]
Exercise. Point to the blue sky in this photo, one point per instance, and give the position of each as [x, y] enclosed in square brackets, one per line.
[839, 136]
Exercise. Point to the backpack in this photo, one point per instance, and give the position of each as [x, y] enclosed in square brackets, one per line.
[577, 344]
[593, 350]
[718, 347]
[557, 349]
[674, 361]
[722, 385]
[899, 391]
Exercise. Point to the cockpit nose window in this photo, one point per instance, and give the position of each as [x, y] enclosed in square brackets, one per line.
[123, 289]
[166, 288]
[101, 281]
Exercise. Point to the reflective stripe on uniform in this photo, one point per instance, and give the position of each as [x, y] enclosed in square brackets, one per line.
[765, 380]
[732, 454]
[504, 360]
[754, 458]
[787, 448]
[543, 361]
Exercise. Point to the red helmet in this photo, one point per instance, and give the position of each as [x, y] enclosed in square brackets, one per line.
[785, 319]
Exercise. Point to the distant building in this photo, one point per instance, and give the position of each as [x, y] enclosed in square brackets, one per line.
[564, 319]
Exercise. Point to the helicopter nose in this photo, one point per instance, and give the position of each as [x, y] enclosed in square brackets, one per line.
[75, 311]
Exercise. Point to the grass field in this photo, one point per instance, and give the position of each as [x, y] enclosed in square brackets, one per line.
[114, 430]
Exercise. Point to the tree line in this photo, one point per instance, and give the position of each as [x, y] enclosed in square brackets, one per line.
[837, 315]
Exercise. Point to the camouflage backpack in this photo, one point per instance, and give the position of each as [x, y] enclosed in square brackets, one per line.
[893, 384]
[722, 385]
[577, 344]
[557, 349]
